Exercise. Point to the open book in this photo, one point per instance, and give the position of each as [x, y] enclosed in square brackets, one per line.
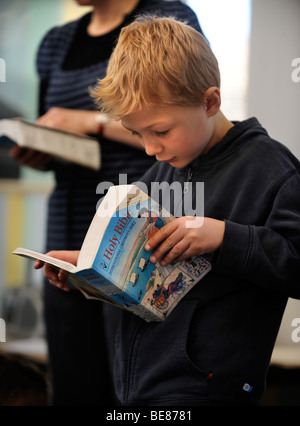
[83, 150]
[113, 265]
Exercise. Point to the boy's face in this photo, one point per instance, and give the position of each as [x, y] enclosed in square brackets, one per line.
[174, 134]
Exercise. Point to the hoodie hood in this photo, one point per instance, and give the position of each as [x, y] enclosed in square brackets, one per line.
[240, 133]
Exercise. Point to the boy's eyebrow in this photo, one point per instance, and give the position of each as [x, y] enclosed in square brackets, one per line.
[128, 128]
[144, 128]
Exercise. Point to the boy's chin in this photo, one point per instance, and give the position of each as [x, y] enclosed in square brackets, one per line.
[178, 164]
[175, 162]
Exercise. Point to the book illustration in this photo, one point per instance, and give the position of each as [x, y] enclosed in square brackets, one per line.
[143, 264]
[134, 278]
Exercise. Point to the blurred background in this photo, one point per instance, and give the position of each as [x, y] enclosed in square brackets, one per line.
[257, 44]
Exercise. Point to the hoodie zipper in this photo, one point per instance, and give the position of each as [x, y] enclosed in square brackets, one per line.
[189, 179]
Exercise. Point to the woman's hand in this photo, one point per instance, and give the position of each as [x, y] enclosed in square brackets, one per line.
[184, 237]
[75, 121]
[83, 122]
[80, 122]
[58, 277]
[30, 157]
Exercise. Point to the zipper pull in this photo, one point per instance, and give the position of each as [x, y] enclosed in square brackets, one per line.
[190, 175]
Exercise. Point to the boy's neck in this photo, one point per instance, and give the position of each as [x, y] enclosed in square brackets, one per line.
[108, 15]
[222, 126]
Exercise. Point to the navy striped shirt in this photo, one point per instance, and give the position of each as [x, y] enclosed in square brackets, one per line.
[65, 82]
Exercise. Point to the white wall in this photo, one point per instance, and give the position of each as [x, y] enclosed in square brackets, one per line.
[226, 24]
[274, 98]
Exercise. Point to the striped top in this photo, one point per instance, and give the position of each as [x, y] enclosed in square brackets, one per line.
[65, 82]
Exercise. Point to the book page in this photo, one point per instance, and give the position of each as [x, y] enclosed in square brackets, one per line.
[11, 129]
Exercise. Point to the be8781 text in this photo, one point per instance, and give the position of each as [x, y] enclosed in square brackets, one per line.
[170, 415]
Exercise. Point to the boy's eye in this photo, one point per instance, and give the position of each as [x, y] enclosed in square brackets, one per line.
[162, 133]
[134, 133]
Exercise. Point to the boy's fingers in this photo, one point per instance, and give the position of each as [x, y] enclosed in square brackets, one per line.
[63, 276]
[60, 285]
[160, 236]
[163, 249]
[169, 249]
[167, 256]
[50, 273]
[175, 254]
[58, 278]
[38, 264]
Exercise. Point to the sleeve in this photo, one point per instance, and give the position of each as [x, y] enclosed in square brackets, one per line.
[267, 255]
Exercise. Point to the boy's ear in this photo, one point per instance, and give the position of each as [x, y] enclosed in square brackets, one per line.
[212, 100]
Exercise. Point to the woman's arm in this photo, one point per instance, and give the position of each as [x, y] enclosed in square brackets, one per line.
[84, 123]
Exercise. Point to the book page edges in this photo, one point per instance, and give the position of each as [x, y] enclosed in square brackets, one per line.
[33, 255]
[82, 150]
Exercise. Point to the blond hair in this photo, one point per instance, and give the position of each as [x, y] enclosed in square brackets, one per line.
[156, 61]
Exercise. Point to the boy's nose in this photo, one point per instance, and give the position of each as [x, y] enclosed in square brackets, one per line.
[152, 148]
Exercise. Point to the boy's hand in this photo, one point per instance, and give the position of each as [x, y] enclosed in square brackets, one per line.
[58, 277]
[179, 239]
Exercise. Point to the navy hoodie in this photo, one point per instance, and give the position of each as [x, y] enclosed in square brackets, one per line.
[216, 346]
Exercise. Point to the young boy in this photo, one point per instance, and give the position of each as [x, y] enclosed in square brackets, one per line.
[163, 83]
